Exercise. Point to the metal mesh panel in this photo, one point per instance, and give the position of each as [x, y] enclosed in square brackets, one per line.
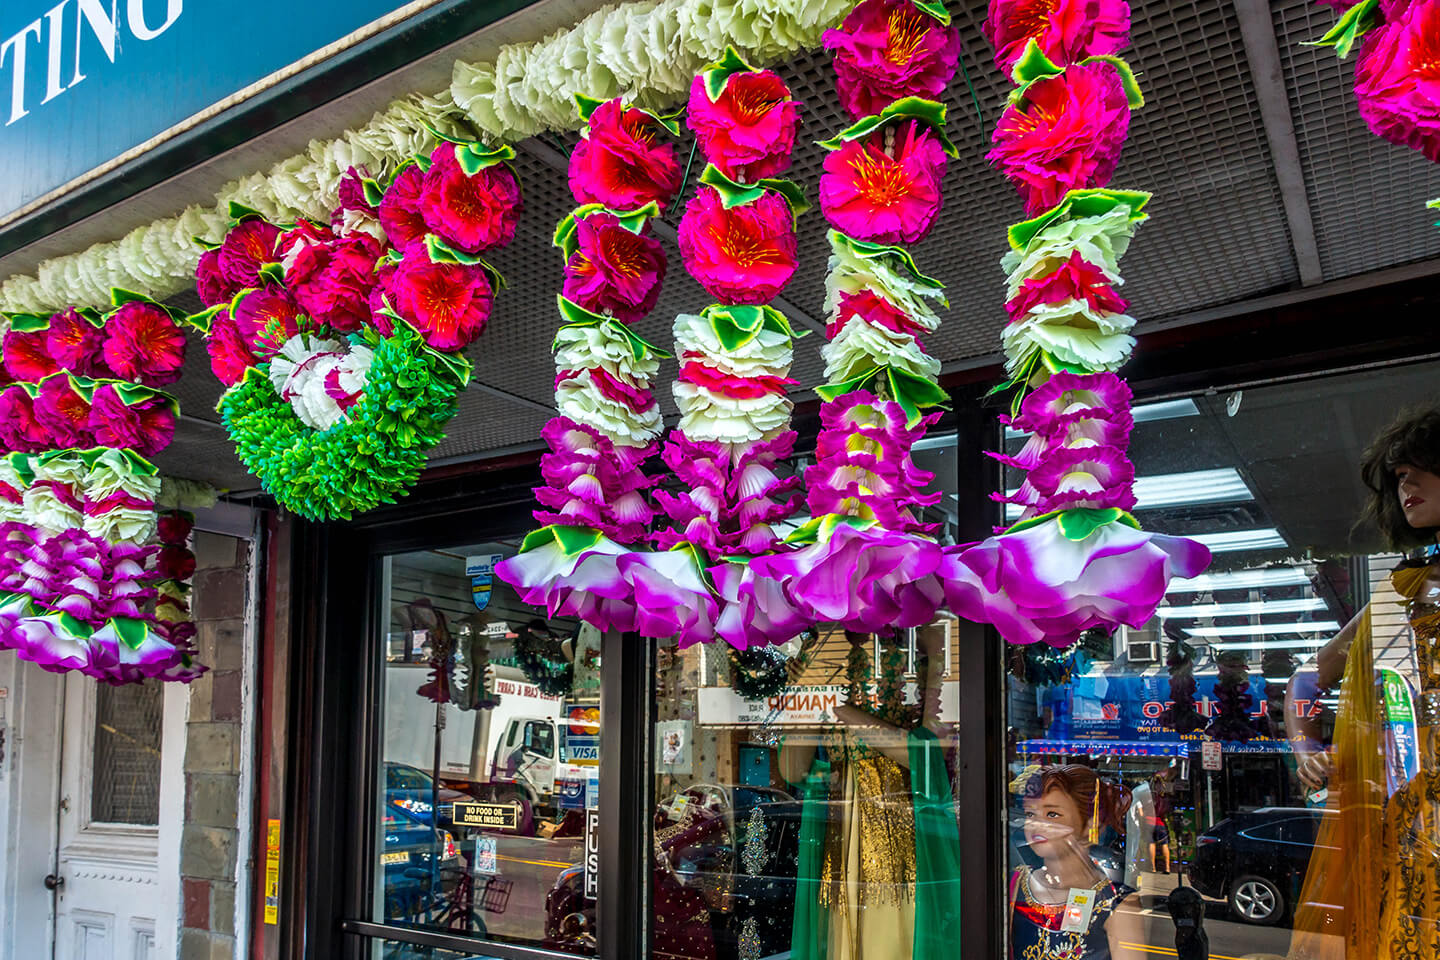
[125, 776]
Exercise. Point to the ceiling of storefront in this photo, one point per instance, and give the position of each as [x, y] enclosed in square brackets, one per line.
[1265, 181]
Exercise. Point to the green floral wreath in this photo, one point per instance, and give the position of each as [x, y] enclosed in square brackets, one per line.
[366, 460]
[758, 673]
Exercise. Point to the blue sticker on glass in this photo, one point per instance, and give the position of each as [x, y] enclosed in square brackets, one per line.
[481, 571]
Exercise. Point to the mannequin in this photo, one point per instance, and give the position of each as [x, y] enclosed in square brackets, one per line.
[1390, 902]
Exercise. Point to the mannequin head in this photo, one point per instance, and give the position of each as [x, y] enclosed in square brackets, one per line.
[1402, 470]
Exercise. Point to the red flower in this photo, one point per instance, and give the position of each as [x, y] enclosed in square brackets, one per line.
[27, 355]
[76, 344]
[472, 212]
[230, 354]
[65, 413]
[20, 431]
[210, 282]
[873, 309]
[143, 345]
[306, 235]
[885, 196]
[614, 270]
[1397, 78]
[173, 527]
[749, 132]
[145, 427]
[1067, 31]
[1076, 279]
[447, 302]
[742, 255]
[352, 197]
[887, 50]
[247, 248]
[1065, 134]
[175, 563]
[400, 208]
[266, 318]
[332, 282]
[621, 163]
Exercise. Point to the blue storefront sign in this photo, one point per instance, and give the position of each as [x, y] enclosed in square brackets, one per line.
[83, 82]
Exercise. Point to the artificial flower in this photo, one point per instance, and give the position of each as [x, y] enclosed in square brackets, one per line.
[584, 347]
[332, 282]
[1066, 397]
[748, 132]
[265, 318]
[64, 412]
[587, 583]
[1090, 476]
[614, 270]
[1099, 240]
[887, 50]
[719, 414]
[400, 214]
[732, 496]
[354, 214]
[1076, 279]
[885, 187]
[1397, 81]
[756, 610]
[27, 355]
[175, 563]
[1070, 332]
[230, 353]
[246, 248]
[621, 162]
[120, 519]
[473, 212]
[145, 427]
[613, 412]
[76, 344]
[887, 274]
[54, 500]
[1065, 133]
[743, 255]
[861, 346]
[20, 430]
[593, 482]
[303, 238]
[1066, 31]
[869, 307]
[211, 285]
[174, 527]
[322, 379]
[144, 345]
[447, 302]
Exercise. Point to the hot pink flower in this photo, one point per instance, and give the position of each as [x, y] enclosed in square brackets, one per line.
[76, 344]
[622, 162]
[27, 355]
[266, 318]
[145, 427]
[1076, 279]
[20, 431]
[749, 132]
[352, 197]
[64, 413]
[614, 270]
[1066, 30]
[447, 302]
[1397, 78]
[247, 248]
[742, 255]
[1065, 134]
[230, 354]
[400, 208]
[305, 235]
[143, 345]
[885, 197]
[887, 50]
[472, 212]
[873, 309]
[210, 282]
[332, 283]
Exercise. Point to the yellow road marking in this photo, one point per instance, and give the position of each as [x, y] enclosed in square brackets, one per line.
[542, 863]
[1170, 951]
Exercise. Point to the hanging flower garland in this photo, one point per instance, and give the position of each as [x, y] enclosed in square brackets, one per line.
[1075, 559]
[864, 560]
[80, 589]
[341, 344]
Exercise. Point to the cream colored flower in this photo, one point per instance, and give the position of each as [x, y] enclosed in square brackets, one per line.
[861, 345]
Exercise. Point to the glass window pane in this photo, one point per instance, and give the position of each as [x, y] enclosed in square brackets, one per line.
[125, 777]
[489, 779]
[1258, 752]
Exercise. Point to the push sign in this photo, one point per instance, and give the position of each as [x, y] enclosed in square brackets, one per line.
[481, 571]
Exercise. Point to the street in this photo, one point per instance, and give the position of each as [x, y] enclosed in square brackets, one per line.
[1229, 939]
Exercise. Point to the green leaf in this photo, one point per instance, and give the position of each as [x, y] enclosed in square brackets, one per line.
[573, 540]
[422, 160]
[131, 632]
[81, 630]
[1078, 524]
[120, 296]
[442, 252]
[204, 244]
[632, 220]
[831, 391]
[734, 194]
[1033, 65]
[735, 326]
[586, 106]
[239, 213]
[474, 157]
[1127, 78]
[935, 9]
[914, 394]
[866, 250]
[273, 272]
[28, 322]
[393, 256]
[1349, 28]
[203, 320]
[1077, 204]
[577, 316]
[717, 75]
[374, 193]
[928, 112]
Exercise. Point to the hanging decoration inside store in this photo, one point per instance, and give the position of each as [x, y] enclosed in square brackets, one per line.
[341, 344]
[81, 586]
[759, 672]
[1075, 558]
[541, 657]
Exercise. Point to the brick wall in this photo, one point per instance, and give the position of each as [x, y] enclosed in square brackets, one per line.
[213, 750]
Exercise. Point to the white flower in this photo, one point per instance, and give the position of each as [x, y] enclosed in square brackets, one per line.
[320, 378]
[1100, 240]
[707, 414]
[1072, 333]
[578, 398]
[584, 348]
[767, 355]
[886, 276]
[862, 345]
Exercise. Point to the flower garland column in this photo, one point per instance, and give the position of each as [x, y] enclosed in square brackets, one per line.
[1076, 559]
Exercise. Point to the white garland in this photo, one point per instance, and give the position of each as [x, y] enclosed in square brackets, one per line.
[646, 50]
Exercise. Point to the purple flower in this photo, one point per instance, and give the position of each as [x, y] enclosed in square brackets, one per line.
[1095, 477]
[729, 500]
[757, 610]
[592, 482]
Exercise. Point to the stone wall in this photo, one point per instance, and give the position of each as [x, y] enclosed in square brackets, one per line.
[210, 841]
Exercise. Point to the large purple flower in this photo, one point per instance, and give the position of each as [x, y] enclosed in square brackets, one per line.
[757, 610]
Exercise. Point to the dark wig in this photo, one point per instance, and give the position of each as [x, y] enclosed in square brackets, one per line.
[1412, 440]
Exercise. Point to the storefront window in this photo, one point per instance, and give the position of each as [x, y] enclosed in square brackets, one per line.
[490, 747]
[1256, 760]
[804, 794]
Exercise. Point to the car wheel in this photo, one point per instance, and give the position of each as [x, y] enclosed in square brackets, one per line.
[1257, 900]
[525, 821]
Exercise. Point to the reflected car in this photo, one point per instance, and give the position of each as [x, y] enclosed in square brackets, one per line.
[1256, 861]
[410, 789]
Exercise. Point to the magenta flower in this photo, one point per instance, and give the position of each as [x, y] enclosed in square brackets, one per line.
[64, 412]
[230, 354]
[873, 309]
[351, 195]
[749, 132]
[472, 212]
[76, 344]
[332, 283]
[1065, 134]
[210, 282]
[266, 318]
[1070, 396]
[247, 248]
[1076, 279]
[400, 214]
[883, 196]
[887, 50]
[729, 502]
[20, 431]
[143, 345]
[614, 270]
[1397, 80]
[742, 255]
[145, 427]
[756, 610]
[862, 463]
[592, 482]
[1067, 31]
[304, 236]
[447, 302]
[622, 162]
[1092, 477]
[27, 355]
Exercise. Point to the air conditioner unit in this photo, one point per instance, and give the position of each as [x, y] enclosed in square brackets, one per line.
[1142, 651]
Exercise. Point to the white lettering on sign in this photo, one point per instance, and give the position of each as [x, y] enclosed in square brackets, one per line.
[592, 853]
[510, 688]
[50, 34]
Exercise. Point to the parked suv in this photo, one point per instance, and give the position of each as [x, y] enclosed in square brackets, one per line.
[1256, 861]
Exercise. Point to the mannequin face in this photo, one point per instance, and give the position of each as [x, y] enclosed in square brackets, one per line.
[1419, 493]
[1053, 823]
